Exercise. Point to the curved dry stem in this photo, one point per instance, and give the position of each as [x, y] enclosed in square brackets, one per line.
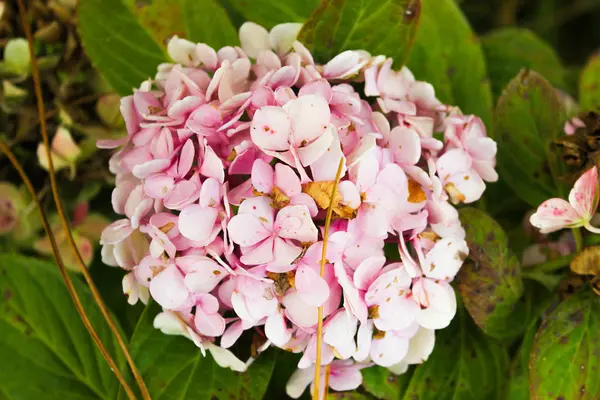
[61, 213]
[317, 377]
[67, 279]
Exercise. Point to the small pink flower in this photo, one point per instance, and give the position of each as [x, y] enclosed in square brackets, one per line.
[555, 214]
[266, 239]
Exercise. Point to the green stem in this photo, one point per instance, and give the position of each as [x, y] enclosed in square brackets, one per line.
[578, 239]
[550, 266]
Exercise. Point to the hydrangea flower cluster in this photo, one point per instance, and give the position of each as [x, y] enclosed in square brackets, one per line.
[224, 180]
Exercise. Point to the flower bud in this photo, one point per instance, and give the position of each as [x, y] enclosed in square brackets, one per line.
[16, 57]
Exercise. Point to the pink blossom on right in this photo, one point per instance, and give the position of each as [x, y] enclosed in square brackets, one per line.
[556, 214]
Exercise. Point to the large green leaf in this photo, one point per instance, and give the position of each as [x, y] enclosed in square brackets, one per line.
[490, 281]
[518, 388]
[152, 17]
[565, 358]
[46, 351]
[174, 368]
[528, 117]
[465, 364]
[447, 54]
[269, 13]
[117, 44]
[589, 85]
[508, 50]
[207, 22]
[385, 27]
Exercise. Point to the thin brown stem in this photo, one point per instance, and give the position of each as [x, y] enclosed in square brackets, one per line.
[65, 276]
[61, 213]
[317, 377]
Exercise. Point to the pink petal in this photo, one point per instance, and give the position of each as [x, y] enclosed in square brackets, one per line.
[287, 180]
[183, 194]
[232, 334]
[212, 166]
[186, 158]
[284, 254]
[309, 116]
[311, 286]
[367, 271]
[144, 170]
[555, 214]
[203, 280]
[247, 230]
[446, 258]
[406, 145]
[347, 378]
[262, 176]
[352, 298]
[320, 88]
[270, 128]
[294, 222]
[453, 161]
[303, 199]
[389, 350]
[313, 151]
[210, 193]
[260, 207]
[298, 311]
[262, 253]
[159, 185]
[276, 330]
[211, 325]
[168, 289]
[197, 223]
[442, 304]
[116, 232]
[584, 195]
[325, 167]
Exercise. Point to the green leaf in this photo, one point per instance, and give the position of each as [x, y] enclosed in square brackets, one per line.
[153, 18]
[174, 368]
[207, 22]
[490, 281]
[51, 353]
[565, 357]
[383, 384]
[117, 44]
[269, 13]
[589, 85]
[465, 364]
[448, 55]
[508, 50]
[385, 27]
[528, 117]
[518, 388]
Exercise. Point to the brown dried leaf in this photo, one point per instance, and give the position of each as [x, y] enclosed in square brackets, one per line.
[587, 262]
[321, 193]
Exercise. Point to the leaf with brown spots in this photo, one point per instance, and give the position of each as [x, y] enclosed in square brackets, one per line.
[465, 364]
[565, 360]
[377, 26]
[152, 17]
[528, 118]
[321, 193]
[490, 281]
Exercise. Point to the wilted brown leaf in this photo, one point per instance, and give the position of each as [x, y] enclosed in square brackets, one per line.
[322, 191]
[587, 262]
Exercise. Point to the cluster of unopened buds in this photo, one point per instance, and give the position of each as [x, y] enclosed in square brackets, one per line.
[225, 178]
